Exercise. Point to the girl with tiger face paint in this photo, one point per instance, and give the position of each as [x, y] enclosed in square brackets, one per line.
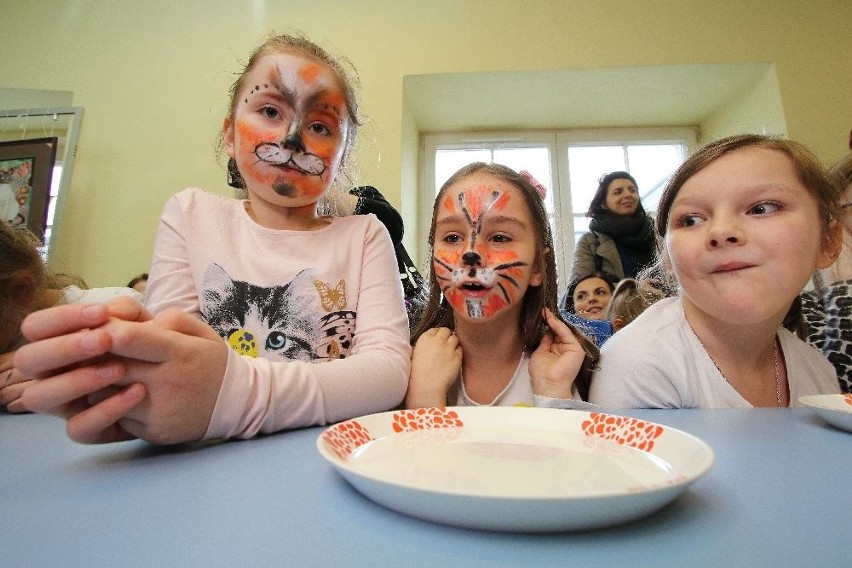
[489, 334]
[484, 255]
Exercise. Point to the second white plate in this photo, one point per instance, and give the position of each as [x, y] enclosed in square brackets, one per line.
[515, 469]
[836, 409]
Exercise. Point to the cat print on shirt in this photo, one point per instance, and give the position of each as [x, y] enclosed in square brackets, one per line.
[293, 321]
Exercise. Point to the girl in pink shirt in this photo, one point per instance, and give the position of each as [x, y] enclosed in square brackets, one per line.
[262, 314]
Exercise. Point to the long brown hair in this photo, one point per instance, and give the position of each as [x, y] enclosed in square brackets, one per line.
[438, 312]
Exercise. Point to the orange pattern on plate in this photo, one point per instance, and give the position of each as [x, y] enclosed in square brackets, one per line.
[425, 419]
[848, 398]
[346, 437]
[630, 432]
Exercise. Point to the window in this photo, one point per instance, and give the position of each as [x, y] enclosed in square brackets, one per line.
[569, 164]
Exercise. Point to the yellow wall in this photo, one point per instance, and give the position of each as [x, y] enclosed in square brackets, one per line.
[153, 76]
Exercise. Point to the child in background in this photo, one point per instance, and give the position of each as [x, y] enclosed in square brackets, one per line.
[489, 334]
[266, 315]
[628, 302]
[746, 221]
[827, 309]
[139, 283]
[26, 285]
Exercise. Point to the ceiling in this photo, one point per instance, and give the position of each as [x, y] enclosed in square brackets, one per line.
[672, 95]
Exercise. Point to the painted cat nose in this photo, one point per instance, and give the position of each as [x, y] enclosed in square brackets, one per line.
[294, 142]
[471, 258]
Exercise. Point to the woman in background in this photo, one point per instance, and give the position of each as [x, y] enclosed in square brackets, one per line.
[621, 241]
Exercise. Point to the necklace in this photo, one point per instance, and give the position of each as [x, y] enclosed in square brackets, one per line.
[774, 361]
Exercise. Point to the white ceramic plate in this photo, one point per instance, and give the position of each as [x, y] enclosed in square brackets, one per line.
[515, 469]
[836, 409]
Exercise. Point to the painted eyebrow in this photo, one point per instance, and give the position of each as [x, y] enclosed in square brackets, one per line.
[489, 219]
[451, 220]
[289, 97]
[502, 219]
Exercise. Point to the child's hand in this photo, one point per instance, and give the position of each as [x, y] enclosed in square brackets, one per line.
[69, 354]
[116, 373]
[557, 361]
[12, 384]
[435, 365]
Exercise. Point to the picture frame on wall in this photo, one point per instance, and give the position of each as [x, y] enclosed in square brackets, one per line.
[26, 170]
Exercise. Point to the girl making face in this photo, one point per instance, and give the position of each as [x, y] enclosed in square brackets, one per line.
[746, 221]
[482, 338]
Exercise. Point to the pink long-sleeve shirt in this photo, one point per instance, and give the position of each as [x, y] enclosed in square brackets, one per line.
[315, 319]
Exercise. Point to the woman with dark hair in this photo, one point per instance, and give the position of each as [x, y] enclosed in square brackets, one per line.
[621, 240]
[585, 303]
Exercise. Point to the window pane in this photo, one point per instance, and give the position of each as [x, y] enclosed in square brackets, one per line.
[652, 165]
[586, 165]
[537, 162]
[447, 162]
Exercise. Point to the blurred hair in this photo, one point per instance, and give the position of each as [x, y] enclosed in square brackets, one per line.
[629, 300]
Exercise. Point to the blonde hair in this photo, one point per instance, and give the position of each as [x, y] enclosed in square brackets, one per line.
[629, 300]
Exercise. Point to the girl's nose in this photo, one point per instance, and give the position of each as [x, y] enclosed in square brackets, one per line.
[724, 233]
[294, 142]
[471, 258]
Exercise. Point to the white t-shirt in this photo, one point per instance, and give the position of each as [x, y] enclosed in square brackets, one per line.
[658, 362]
[317, 317]
[518, 393]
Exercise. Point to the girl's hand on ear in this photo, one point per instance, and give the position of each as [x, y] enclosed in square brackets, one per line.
[435, 365]
[556, 362]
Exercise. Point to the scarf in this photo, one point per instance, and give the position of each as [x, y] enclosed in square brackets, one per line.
[634, 237]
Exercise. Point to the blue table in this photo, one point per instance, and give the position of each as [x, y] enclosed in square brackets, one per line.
[778, 495]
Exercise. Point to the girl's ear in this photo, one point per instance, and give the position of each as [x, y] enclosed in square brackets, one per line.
[832, 241]
[537, 274]
[228, 135]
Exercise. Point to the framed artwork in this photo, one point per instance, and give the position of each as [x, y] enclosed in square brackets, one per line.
[26, 169]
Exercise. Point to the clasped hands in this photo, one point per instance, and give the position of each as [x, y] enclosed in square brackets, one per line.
[115, 372]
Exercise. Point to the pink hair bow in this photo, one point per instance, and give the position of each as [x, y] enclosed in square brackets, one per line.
[540, 189]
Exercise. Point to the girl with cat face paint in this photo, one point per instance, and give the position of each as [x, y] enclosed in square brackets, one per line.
[490, 334]
[261, 313]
